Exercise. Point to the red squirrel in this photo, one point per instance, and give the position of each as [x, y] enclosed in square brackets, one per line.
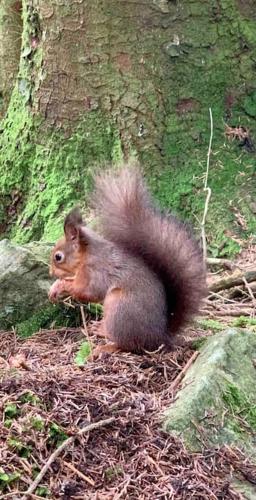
[145, 267]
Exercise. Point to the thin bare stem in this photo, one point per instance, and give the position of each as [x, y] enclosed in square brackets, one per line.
[207, 189]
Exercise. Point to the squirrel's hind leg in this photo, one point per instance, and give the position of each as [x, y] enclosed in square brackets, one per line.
[109, 348]
[128, 324]
[108, 325]
[134, 322]
[122, 321]
[99, 329]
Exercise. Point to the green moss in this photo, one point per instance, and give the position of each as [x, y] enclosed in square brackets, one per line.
[37, 423]
[49, 317]
[56, 316]
[23, 450]
[42, 491]
[42, 172]
[30, 397]
[240, 406]
[250, 104]
[113, 472]
[56, 434]
[95, 310]
[10, 411]
[215, 326]
[55, 175]
[197, 344]
[116, 148]
[210, 324]
[230, 178]
[245, 322]
[7, 479]
[211, 78]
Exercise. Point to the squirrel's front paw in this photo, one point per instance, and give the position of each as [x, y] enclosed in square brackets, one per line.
[56, 290]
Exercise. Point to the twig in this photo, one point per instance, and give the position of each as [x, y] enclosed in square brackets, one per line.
[223, 306]
[67, 302]
[2, 360]
[209, 151]
[219, 296]
[16, 495]
[158, 468]
[235, 279]
[79, 473]
[123, 490]
[180, 376]
[249, 291]
[207, 189]
[58, 451]
[85, 330]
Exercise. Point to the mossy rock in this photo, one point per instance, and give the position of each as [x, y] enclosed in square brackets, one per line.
[245, 488]
[217, 401]
[24, 281]
[24, 285]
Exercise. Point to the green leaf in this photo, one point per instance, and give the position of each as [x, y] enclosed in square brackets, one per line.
[5, 478]
[30, 397]
[23, 450]
[11, 410]
[37, 422]
[42, 491]
[8, 423]
[57, 434]
[83, 353]
[95, 309]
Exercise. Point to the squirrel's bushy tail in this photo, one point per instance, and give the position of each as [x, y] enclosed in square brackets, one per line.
[130, 219]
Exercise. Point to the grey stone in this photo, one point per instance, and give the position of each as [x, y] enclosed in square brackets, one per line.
[217, 401]
[245, 488]
[24, 281]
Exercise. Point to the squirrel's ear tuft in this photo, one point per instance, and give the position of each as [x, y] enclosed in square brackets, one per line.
[72, 224]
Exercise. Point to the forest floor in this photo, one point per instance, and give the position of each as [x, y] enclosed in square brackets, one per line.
[46, 398]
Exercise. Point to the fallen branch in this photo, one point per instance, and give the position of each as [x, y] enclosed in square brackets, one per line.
[233, 280]
[216, 304]
[238, 292]
[225, 263]
[234, 312]
[215, 296]
[58, 451]
[184, 370]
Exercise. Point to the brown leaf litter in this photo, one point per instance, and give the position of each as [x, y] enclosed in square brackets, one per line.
[45, 399]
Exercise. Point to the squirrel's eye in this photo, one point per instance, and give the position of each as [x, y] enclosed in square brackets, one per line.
[59, 257]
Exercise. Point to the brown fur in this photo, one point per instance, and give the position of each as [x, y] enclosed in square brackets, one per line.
[165, 244]
[147, 269]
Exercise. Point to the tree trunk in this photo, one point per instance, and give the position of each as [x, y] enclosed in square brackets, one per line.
[10, 46]
[99, 81]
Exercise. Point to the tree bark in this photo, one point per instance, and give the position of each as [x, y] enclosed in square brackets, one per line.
[99, 81]
[98, 59]
[10, 46]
